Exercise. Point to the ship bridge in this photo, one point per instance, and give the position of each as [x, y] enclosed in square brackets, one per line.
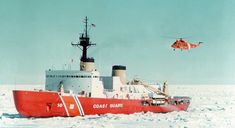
[75, 82]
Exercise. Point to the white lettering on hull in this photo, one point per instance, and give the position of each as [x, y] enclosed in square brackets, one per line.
[116, 105]
[100, 106]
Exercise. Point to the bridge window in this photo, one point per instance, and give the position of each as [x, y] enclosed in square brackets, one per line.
[70, 76]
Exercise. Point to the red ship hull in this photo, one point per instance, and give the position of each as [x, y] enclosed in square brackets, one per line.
[49, 104]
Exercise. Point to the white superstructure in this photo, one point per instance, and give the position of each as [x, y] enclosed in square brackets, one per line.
[87, 81]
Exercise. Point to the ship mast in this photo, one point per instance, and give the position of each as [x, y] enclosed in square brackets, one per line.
[84, 43]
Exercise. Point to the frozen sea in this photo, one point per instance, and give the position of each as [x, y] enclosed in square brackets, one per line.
[212, 106]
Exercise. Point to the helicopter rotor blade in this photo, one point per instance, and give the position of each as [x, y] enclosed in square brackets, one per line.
[178, 37]
[169, 37]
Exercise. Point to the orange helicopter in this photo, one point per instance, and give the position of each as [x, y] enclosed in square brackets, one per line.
[184, 45]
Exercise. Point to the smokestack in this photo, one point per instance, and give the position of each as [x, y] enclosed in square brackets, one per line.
[120, 71]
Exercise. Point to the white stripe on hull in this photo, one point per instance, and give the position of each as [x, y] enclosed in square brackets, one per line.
[79, 105]
[65, 107]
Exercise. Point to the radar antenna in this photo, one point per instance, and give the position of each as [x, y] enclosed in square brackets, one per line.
[85, 44]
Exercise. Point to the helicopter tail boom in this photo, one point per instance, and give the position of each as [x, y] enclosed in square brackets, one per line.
[200, 43]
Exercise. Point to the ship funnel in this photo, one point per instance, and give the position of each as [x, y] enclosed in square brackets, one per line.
[119, 70]
[87, 65]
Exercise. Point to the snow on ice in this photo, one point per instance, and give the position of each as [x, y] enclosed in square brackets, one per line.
[212, 106]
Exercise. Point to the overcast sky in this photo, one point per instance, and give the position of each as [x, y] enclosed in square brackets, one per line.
[36, 35]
